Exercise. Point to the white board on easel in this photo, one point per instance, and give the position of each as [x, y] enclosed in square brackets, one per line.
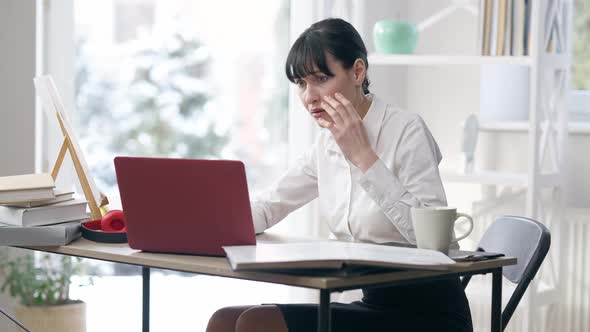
[53, 106]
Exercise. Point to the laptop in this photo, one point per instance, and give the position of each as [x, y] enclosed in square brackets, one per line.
[187, 206]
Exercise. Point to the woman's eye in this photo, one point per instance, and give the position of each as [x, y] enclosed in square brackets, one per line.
[300, 83]
[322, 79]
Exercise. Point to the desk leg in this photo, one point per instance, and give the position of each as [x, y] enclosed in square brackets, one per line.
[497, 300]
[145, 277]
[324, 311]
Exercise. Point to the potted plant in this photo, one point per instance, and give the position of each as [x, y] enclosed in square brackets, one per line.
[41, 285]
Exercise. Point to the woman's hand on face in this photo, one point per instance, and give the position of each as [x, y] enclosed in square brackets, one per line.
[348, 131]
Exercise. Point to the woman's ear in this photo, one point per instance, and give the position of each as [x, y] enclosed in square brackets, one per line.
[359, 71]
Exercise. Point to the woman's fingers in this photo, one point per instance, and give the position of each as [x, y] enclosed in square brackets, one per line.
[338, 108]
[351, 111]
[334, 114]
[324, 124]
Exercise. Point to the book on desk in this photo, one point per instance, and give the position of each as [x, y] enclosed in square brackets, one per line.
[44, 215]
[52, 224]
[29, 202]
[344, 256]
[332, 255]
[59, 196]
[48, 235]
[26, 188]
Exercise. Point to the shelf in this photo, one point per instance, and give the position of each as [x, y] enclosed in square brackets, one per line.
[495, 178]
[488, 177]
[504, 126]
[517, 126]
[397, 59]
[555, 60]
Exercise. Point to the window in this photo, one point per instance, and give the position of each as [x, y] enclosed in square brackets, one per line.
[184, 79]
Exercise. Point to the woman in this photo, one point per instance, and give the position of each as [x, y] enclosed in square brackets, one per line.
[368, 167]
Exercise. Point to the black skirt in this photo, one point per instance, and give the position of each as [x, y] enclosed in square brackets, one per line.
[430, 306]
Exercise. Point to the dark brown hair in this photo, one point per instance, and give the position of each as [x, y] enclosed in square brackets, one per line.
[332, 35]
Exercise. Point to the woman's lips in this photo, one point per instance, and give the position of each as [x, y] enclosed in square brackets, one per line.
[317, 112]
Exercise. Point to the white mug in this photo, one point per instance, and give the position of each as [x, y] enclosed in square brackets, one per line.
[434, 227]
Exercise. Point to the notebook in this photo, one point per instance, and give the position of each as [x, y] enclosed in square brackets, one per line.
[187, 206]
[333, 255]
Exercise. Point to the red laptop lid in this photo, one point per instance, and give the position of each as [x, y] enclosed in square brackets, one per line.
[185, 205]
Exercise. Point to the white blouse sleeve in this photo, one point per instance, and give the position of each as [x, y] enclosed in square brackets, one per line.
[413, 179]
[294, 189]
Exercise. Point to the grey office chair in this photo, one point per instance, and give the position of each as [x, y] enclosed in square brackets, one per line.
[519, 237]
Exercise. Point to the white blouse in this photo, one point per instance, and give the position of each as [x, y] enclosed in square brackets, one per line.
[369, 207]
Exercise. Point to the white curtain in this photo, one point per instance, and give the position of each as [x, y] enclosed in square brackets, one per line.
[302, 130]
[58, 61]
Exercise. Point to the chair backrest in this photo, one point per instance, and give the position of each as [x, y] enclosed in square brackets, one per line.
[525, 239]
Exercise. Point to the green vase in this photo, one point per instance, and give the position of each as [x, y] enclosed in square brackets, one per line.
[395, 37]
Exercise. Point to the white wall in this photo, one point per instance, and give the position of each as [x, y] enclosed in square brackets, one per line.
[442, 95]
[17, 108]
[387, 82]
[17, 68]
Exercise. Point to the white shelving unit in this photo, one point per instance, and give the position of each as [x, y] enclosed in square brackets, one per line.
[515, 126]
[434, 60]
[498, 178]
[547, 130]
[556, 125]
[487, 178]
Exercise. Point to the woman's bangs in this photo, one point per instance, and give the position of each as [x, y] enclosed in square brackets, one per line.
[306, 58]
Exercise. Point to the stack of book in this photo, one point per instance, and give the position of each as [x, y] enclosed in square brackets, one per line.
[33, 212]
[505, 27]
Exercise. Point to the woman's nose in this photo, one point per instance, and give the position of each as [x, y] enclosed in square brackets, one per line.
[311, 96]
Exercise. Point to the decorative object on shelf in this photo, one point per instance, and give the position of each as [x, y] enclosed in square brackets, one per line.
[395, 37]
[504, 93]
[470, 133]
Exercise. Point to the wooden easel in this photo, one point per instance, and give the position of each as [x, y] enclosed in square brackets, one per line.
[52, 103]
[66, 146]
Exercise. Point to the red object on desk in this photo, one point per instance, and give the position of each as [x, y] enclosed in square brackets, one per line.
[188, 206]
[113, 221]
[111, 228]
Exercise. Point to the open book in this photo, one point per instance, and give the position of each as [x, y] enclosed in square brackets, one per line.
[333, 255]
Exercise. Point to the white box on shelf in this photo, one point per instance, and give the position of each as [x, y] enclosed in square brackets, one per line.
[504, 93]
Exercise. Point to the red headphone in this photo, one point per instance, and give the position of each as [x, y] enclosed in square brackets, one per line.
[110, 228]
[113, 221]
